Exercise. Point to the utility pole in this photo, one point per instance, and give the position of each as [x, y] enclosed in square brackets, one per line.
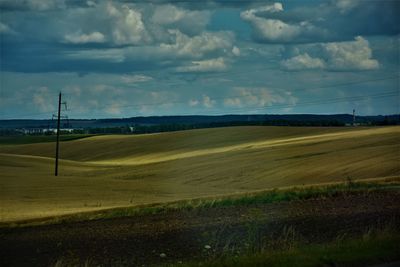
[354, 117]
[58, 133]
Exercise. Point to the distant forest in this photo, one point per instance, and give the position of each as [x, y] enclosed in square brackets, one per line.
[140, 125]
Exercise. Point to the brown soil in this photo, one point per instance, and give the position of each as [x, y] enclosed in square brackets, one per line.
[182, 235]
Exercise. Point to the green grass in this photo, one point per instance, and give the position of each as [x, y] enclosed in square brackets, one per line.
[31, 139]
[374, 247]
[264, 197]
[250, 199]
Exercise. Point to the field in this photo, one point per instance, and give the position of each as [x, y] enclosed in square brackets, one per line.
[123, 170]
[235, 196]
[352, 224]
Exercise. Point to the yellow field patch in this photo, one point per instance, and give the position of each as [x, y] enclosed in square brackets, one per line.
[110, 171]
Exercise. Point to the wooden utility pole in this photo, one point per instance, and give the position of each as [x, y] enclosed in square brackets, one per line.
[58, 133]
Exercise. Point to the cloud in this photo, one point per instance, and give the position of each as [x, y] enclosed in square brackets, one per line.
[4, 28]
[209, 51]
[38, 5]
[138, 78]
[346, 5]
[41, 99]
[276, 30]
[236, 51]
[217, 64]
[90, 3]
[206, 45]
[258, 97]
[114, 108]
[208, 102]
[200, 45]
[79, 38]
[193, 102]
[336, 20]
[127, 25]
[149, 36]
[302, 62]
[187, 21]
[335, 56]
[205, 101]
[114, 55]
[250, 14]
[355, 55]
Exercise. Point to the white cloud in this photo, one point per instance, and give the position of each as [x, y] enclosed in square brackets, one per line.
[217, 64]
[193, 102]
[276, 30]
[138, 78]
[207, 44]
[199, 45]
[81, 38]
[4, 28]
[346, 5]
[303, 61]
[39, 5]
[114, 108]
[127, 26]
[258, 97]
[233, 102]
[41, 99]
[114, 55]
[270, 29]
[168, 14]
[183, 47]
[339, 56]
[354, 55]
[236, 51]
[189, 21]
[250, 14]
[208, 102]
[135, 24]
[111, 21]
[73, 90]
[91, 3]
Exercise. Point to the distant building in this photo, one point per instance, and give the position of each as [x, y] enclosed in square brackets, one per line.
[44, 130]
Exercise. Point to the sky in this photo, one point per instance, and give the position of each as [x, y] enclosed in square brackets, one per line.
[126, 58]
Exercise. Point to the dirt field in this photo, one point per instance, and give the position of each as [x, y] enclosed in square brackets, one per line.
[183, 235]
[111, 171]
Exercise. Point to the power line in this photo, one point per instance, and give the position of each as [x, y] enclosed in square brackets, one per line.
[229, 97]
[238, 96]
[330, 101]
[307, 103]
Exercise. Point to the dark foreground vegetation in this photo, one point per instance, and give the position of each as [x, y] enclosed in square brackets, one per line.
[374, 246]
[348, 224]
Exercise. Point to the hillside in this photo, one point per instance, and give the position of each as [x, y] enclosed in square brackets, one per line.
[110, 171]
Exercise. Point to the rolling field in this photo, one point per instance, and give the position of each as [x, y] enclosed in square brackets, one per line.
[112, 171]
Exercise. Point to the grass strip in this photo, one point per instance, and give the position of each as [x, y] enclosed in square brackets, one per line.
[246, 199]
[367, 250]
